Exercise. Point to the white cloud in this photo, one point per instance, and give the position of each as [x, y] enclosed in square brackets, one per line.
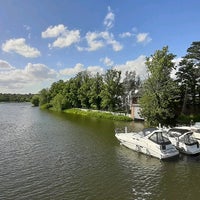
[79, 68]
[143, 38]
[97, 40]
[4, 65]
[109, 19]
[109, 37]
[39, 72]
[125, 35]
[72, 71]
[95, 69]
[32, 76]
[65, 37]
[107, 61]
[20, 47]
[137, 65]
[54, 31]
[94, 43]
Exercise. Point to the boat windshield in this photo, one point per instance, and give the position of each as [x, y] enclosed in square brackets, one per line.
[188, 139]
[147, 131]
[159, 138]
[197, 130]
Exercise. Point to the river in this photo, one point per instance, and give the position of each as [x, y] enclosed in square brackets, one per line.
[48, 155]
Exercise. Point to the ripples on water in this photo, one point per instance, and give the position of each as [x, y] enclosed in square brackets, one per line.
[46, 155]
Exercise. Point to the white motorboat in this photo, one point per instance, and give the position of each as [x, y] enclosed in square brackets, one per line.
[150, 141]
[196, 130]
[182, 138]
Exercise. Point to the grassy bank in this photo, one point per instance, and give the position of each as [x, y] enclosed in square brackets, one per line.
[98, 114]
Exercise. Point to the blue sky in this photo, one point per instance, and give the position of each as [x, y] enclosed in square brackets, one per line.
[45, 41]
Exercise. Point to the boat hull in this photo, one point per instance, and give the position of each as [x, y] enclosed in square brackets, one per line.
[139, 145]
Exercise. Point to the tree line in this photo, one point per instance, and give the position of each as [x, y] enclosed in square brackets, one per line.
[162, 98]
[101, 92]
[7, 97]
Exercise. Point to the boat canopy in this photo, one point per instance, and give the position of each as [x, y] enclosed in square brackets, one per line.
[158, 137]
[184, 135]
[176, 132]
[148, 131]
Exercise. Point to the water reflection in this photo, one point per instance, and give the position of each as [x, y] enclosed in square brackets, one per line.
[144, 172]
[48, 155]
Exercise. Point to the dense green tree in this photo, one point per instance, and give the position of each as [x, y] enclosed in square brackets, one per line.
[73, 86]
[95, 91]
[44, 96]
[112, 90]
[159, 90]
[84, 90]
[15, 97]
[187, 79]
[56, 88]
[193, 52]
[188, 76]
[35, 100]
[59, 103]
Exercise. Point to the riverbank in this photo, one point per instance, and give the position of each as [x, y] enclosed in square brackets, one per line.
[98, 114]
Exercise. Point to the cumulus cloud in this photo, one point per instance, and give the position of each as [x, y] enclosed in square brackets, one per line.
[107, 61]
[65, 37]
[54, 31]
[95, 69]
[79, 68]
[14, 79]
[109, 19]
[137, 65]
[94, 41]
[73, 70]
[20, 47]
[97, 40]
[39, 72]
[143, 38]
[4, 65]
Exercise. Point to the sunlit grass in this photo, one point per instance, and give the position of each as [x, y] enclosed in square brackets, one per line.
[98, 114]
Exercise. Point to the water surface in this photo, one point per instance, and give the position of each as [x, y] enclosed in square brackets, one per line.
[48, 155]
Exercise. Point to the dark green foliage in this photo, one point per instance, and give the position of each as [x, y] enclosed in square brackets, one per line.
[159, 90]
[35, 100]
[112, 91]
[44, 96]
[84, 90]
[15, 97]
[58, 103]
[188, 77]
[56, 88]
[186, 119]
[95, 91]
[160, 94]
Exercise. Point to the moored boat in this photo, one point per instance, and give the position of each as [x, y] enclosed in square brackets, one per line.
[196, 130]
[182, 138]
[150, 141]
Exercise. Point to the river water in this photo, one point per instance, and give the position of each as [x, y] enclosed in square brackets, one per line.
[47, 155]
